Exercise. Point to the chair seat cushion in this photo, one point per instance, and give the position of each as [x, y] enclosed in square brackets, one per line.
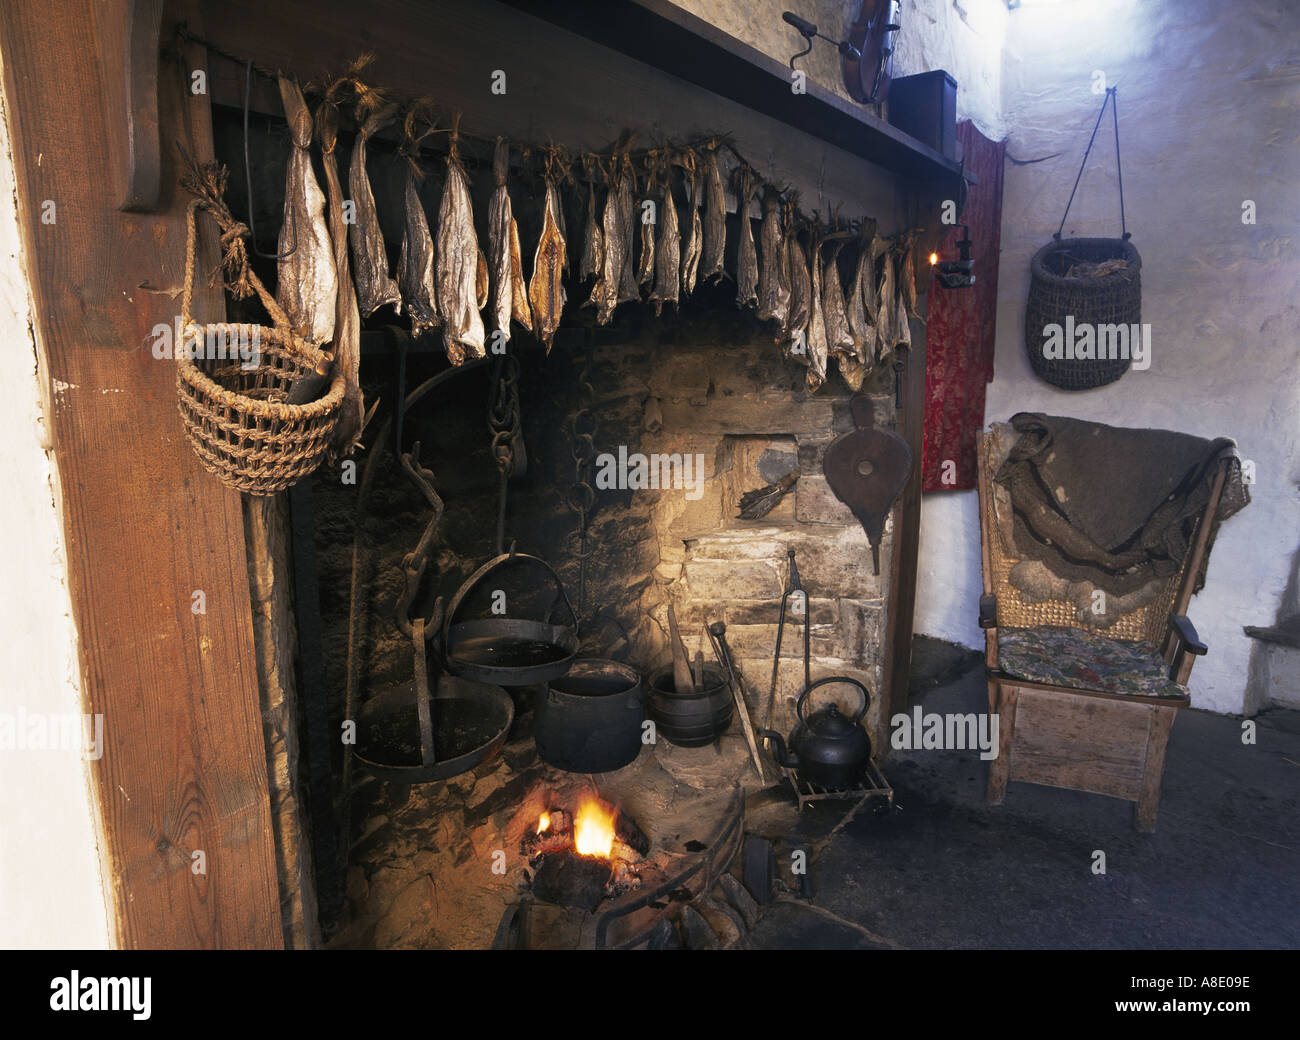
[1082, 660]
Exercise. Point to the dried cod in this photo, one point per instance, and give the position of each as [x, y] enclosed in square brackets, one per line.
[855, 364]
[886, 308]
[546, 291]
[774, 266]
[800, 288]
[375, 287]
[593, 239]
[694, 233]
[816, 338]
[308, 283]
[715, 220]
[627, 282]
[457, 268]
[839, 337]
[645, 264]
[347, 318]
[746, 257]
[415, 275]
[668, 256]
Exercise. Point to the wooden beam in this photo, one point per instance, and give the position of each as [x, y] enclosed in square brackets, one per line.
[146, 528]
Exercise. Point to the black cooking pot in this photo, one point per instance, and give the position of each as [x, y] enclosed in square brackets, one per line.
[589, 721]
[690, 719]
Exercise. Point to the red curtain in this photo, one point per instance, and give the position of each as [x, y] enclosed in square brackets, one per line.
[960, 327]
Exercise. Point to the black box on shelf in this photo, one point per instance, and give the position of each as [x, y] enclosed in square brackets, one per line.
[925, 106]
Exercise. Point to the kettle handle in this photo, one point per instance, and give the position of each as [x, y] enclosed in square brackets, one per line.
[866, 695]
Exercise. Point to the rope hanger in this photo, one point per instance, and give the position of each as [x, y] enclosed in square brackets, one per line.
[1110, 99]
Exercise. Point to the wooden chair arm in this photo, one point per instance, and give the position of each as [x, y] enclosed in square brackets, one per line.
[1187, 637]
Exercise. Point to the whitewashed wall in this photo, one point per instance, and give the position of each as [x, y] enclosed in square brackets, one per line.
[51, 894]
[1209, 104]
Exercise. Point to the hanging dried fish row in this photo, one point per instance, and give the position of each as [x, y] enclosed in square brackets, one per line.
[374, 286]
[509, 291]
[347, 318]
[460, 272]
[307, 280]
[774, 263]
[546, 293]
[746, 256]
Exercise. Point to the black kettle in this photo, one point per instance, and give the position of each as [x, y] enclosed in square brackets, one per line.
[826, 748]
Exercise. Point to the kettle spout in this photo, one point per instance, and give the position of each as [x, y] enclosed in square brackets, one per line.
[780, 754]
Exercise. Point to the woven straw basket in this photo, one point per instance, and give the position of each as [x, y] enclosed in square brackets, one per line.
[1114, 298]
[238, 419]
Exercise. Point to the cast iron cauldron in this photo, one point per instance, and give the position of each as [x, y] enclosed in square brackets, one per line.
[690, 719]
[589, 721]
[826, 748]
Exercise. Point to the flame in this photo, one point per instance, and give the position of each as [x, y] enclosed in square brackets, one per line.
[593, 829]
[544, 822]
[934, 259]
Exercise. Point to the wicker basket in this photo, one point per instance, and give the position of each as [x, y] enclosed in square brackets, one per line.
[238, 419]
[1112, 299]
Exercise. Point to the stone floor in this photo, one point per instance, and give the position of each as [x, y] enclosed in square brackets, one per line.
[1222, 869]
[940, 870]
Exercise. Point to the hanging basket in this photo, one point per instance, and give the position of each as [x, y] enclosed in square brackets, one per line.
[235, 408]
[1058, 291]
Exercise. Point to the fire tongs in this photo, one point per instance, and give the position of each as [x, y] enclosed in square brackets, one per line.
[793, 587]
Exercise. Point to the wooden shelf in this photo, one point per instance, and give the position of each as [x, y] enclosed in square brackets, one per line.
[665, 36]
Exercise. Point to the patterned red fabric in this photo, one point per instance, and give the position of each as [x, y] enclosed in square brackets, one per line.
[960, 327]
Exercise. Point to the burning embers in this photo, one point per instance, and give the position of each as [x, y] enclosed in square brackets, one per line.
[578, 860]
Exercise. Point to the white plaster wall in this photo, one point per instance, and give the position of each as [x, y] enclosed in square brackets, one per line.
[51, 895]
[1209, 104]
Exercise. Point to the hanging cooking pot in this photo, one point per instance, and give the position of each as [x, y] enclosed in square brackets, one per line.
[509, 651]
[826, 748]
[589, 721]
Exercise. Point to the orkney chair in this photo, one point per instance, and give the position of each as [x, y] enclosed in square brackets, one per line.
[1081, 706]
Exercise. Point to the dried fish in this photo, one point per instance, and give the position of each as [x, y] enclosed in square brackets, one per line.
[839, 337]
[457, 268]
[907, 275]
[415, 263]
[668, 257]
[886, 308]
[694, 234]
[715, 220]
[774, 268]
[816, 340]
[508, 289]
[369, 260]
[593, 239]
[746, 257]
[902, 330]
[308, 282]
[627, 282]
[546, 291]
[800, 288]
[605, 293]
[645, 265]
[855, 364]
[347, 318]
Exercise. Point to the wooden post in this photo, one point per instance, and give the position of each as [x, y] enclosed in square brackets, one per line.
[155, 545]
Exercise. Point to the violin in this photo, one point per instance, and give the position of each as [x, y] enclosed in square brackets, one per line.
[872, 35]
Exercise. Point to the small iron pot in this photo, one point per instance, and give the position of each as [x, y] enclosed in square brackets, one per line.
[589, 721]
[826, 748]
[691, 719]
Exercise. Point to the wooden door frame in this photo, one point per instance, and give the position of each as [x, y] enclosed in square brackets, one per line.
[146, 528]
